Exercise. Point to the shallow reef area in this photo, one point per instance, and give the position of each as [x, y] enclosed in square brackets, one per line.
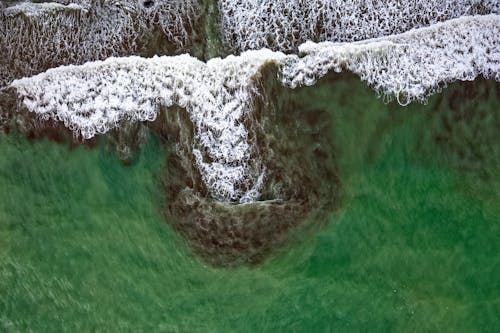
[413, 245]
[249, 166]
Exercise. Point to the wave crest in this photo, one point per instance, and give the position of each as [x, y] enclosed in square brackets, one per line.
[218, 95]
[38, 36]
[284, 25]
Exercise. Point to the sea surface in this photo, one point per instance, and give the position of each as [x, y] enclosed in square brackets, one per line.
[414, 245]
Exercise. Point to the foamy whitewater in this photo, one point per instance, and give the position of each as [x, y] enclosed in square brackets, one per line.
[285, 25]
[95, 97]
[38, 36]
[252, 163]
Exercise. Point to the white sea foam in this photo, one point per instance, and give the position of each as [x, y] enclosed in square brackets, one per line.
[37, 36]
[31, 9]
[284, 25]
[95, 97]
[411, 65]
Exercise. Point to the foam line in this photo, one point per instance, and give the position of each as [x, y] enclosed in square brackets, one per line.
[38, 36]
[409, 66]
[284, 25]
[95, 97]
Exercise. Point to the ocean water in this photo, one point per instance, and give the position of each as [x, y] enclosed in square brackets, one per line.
[414, 244]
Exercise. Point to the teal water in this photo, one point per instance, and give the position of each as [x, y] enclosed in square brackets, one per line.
[414, 246]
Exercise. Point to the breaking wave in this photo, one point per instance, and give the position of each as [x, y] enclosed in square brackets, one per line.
[97, 96]
[285, 25]
[38, 36]
[232, 188]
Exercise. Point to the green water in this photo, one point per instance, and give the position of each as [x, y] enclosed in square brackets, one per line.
[415, 245]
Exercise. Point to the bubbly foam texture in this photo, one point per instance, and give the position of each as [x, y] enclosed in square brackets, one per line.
[38, 36]
[409, 66]
[30, 9]
[284, 25]
[96, 97]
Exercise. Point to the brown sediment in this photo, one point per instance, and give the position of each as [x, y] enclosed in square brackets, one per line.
[301, 185]
[291, 140]
[17, 119]
[464, 128]
[104, 29]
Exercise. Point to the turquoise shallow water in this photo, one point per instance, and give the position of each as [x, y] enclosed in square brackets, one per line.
[415, 245]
